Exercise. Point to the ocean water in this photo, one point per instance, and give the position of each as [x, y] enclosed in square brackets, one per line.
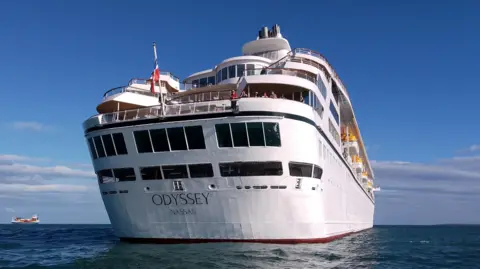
[95, 246]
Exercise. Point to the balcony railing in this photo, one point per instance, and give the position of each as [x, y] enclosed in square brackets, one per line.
[321, 57]
[128, 89]
[170, 110]
[286, 72]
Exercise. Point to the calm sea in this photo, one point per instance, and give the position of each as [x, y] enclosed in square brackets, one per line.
[95, 246]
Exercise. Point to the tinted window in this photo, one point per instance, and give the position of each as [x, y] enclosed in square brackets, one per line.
[224, 73]
[239, 133]
[195, 83]
[203, 82]
[261, 169]
[177, 138]
[159, 140]
[251, 169]
[250, 69]
[231, 71]
[149, 173]
[300, 169]
[108, 143]
[255, 134]
[200, 170]
[219, 76]
[92, 148]
[142, 139]
[322, 87]
[317, 172]
[272, 134]
[124, 174]
[211, 80]
[120, 143]
[99, 146]
[174, 171]
[195, 137]
[240, 70]
[105, 176]
[223, 135]
[334, 112]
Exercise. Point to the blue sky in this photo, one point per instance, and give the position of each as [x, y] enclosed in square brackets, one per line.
[409, 66]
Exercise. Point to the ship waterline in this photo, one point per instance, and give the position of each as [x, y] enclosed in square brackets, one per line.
[201, 168]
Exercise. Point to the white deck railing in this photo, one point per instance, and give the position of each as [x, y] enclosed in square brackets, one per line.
[170, 110]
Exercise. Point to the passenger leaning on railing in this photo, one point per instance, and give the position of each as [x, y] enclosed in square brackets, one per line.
[243, 94]
[233, 98]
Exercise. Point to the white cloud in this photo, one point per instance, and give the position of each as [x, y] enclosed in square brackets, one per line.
[8, 209]
[30, 125]
[6, 188]
[474, 148]
[20, 158]
[53, 171]
[445, 191]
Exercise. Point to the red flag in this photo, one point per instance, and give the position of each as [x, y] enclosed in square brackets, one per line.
[155, 77]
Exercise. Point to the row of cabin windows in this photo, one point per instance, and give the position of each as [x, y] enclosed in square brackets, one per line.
[248, 134]
[238, 70]
[107, 145]
[245, 169]
[169, 139]
[201, 170]
[116, 175]
[202, 82]
[205, 170]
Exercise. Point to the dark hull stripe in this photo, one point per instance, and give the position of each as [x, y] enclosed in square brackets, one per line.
[231, 114]
[215, 240]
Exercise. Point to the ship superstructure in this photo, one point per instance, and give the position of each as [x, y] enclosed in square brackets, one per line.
[264, 147]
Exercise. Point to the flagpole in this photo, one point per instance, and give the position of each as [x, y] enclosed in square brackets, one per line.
[159, 84]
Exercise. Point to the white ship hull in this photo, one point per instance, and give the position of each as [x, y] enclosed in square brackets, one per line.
[320, 211]
[30, 222]
[198, 167]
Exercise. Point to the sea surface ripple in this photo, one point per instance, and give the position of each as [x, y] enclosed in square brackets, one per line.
[95, 246]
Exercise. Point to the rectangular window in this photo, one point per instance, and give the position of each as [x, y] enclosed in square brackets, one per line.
[231, 71]
[159, 140]
[174, 171]
[219, 76]
[176, 137]
[105, 176]
[211, 80]
[239, 133]
[120, 144]
[223, 135]
[200, 170]
[203, 82]
[151, 173]
[317, 172]
[195, 137]
[250, 69]
[195, 83]
[334, 113]
[300, 169]
[272, 134]
[240, 70]
[255, 134]
[92, 148]
[246, 169]
[321, 87]
[224, 73]
[108, 143]
[124, 174]
[142, 139]
[99, 146]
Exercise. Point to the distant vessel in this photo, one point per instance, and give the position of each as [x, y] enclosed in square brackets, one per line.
[33, 220]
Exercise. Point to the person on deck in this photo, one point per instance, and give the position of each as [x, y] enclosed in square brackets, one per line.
[233, 98]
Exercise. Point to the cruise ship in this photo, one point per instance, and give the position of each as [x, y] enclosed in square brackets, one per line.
[263, 147]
